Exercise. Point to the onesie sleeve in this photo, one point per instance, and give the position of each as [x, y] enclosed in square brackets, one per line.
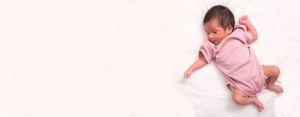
[207, 50]
[248, 36]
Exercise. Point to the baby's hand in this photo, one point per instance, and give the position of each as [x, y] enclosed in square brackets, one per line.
[244, 20]
[187, 74]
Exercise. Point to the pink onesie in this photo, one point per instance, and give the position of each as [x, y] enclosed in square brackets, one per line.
[237, 61]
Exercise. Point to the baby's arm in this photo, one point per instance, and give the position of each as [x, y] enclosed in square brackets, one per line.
[245, 21]
[200, 62]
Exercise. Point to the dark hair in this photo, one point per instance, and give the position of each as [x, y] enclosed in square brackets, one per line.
[221, 14]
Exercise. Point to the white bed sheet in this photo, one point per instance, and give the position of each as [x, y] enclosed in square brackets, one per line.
[126, 58]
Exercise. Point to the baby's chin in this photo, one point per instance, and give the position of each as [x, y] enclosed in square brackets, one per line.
[215, 42]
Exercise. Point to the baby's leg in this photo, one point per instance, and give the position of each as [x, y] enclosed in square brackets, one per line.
[272, 72]
[241, 99]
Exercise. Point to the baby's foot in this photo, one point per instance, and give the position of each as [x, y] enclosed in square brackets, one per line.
[275, 88]
[259, 105]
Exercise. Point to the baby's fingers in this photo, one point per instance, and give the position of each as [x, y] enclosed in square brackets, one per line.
[244, 17]
[185, 75]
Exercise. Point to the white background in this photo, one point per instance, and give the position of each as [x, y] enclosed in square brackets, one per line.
[123, 58]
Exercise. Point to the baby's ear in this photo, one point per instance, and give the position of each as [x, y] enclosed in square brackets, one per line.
[229, 29]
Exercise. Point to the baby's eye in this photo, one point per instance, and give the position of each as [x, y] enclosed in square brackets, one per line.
[214, 32]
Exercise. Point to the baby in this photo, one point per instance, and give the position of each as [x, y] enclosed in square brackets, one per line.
[228, 47]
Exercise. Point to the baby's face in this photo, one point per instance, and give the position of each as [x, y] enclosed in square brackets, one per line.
[215, 32]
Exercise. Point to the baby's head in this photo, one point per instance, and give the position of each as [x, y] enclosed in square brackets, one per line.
[218, 23]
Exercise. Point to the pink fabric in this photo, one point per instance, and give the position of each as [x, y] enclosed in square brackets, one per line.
[237, 61]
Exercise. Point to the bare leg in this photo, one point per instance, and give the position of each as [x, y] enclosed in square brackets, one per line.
[241, 99]
[272, 72]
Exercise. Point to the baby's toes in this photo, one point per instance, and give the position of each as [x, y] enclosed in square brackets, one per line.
[280, 89]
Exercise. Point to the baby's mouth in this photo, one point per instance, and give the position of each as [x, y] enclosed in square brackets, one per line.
[213, 41]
